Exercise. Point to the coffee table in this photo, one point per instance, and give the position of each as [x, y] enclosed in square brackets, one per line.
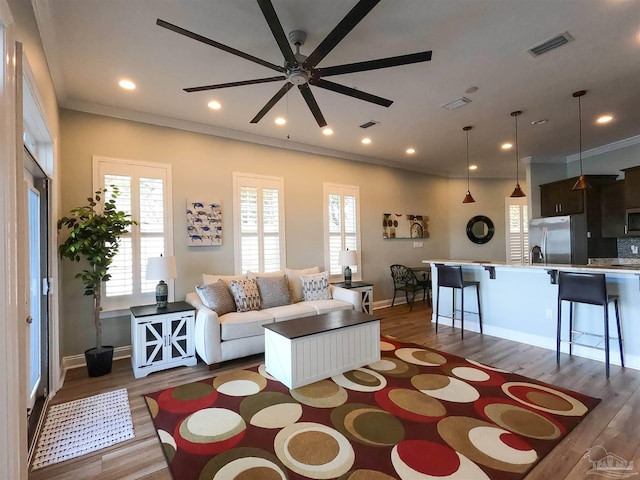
[304, 350]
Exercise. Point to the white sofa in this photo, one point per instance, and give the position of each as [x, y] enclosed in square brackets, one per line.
[240, 334]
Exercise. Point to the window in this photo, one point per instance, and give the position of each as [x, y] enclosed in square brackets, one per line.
[258, 223]
[517, 221]
[341, 226]
[145, 193]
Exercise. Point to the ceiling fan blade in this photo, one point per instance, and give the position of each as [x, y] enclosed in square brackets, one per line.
[235, 84]
[213, 43]
[375, 64]
[312, 104]
[278, 33]
[357, 13]
[351, 92]
[281, 93]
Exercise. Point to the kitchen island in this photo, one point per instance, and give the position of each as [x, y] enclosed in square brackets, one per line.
[519, 303]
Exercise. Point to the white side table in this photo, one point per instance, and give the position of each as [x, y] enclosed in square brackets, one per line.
[365, 289]
[162, 338]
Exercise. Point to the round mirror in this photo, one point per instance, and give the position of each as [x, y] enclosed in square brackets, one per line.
[480, 229]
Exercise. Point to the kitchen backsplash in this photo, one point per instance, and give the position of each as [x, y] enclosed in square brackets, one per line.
[629, 247]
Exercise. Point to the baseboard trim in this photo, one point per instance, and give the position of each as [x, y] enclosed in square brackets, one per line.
[76, 361]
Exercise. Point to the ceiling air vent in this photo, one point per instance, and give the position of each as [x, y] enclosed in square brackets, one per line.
[457, 103]
[370, 123]
[550, 44]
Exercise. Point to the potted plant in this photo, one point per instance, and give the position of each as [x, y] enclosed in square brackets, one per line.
[95, 230]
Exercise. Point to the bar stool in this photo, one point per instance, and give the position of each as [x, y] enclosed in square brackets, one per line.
[590, 288]
[450, 276]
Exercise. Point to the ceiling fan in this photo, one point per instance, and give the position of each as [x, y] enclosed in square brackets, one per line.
[300, 70]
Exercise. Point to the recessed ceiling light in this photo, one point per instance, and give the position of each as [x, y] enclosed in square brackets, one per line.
[327, 131]
[473, 167]
[542, 121]
[604, 119]
[214, 105]
[410, 151]
[471, 90]
[506, 146]
[366, 140]
[127, 84]
[280, 121]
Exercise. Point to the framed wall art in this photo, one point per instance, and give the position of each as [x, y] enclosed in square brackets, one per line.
[204, 223]
[399, 225]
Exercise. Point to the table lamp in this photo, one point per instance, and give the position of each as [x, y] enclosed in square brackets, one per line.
[346, 259]
[161, 268]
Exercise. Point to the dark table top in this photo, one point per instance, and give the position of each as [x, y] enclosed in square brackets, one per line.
[172, 307]
[302, 327]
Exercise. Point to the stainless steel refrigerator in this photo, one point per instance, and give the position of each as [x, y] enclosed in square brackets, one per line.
[554, 240]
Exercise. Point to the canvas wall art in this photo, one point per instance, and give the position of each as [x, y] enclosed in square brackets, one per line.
[399, 225]
[204, 223]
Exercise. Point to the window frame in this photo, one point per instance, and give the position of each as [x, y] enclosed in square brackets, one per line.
[342, 190]
[258, 181]
[522, 202]
[117, 306]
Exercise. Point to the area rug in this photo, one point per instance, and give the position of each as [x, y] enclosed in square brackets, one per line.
[82, 426]
[416, 414]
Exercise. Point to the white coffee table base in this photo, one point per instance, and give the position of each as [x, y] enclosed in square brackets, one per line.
[300, 361]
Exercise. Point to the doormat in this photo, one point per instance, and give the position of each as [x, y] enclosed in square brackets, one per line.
[82, 426]
[416, 413]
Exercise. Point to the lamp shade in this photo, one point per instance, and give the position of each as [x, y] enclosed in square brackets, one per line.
[347, 258]
[161, 268]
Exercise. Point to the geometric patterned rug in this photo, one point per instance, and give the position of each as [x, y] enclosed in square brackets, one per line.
[416, 414]
[82, 426]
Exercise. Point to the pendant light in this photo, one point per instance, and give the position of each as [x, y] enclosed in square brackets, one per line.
[468, 198]
[517, 192]
[581, 183]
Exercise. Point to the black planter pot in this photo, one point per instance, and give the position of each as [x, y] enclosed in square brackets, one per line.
[99, 360]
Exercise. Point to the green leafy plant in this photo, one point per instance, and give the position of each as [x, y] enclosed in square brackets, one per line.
[95, 230]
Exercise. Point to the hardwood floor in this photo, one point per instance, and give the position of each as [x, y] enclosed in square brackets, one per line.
[614, 424]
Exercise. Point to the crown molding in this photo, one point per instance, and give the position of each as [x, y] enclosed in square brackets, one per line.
[51, 46]
[611, 147]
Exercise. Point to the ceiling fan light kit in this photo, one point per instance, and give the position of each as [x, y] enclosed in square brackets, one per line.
[301, 71]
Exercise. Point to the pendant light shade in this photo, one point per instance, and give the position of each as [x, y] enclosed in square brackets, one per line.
[517, 192]
[581, 183]
[468, 198]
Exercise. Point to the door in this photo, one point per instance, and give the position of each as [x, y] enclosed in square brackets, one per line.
[37, 322]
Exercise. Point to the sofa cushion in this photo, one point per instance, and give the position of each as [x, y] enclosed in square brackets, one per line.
[315, 287]
[326, 306]
[295, 285]
[208, 278]
[217, 297]
[289, 312]
[245, 294]
[236, 325]
[274, 291]
[279, 273]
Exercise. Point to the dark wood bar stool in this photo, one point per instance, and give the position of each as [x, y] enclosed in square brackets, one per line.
[450, 276]
[590, 288]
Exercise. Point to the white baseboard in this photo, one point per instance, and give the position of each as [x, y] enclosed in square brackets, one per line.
[76, 361]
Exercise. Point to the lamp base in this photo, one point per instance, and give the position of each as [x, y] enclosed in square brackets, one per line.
[162, 294]
[347, 275]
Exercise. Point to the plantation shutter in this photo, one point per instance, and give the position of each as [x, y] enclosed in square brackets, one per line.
[517, 221]
[341, 225]
[259, 226]
[144, 193]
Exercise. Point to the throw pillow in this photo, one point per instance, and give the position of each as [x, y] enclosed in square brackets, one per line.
[315, 287]
[246, 295]
[274, 291]
[295, 286]
[217, 297]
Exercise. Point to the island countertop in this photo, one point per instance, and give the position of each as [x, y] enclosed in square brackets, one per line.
[520, 302]
[618, 268]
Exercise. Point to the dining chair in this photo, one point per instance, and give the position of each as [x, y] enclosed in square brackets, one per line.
[405, 280]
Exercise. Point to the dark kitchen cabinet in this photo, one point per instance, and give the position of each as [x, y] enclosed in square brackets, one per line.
[632, 187]
[558, 198]
[612, 205]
